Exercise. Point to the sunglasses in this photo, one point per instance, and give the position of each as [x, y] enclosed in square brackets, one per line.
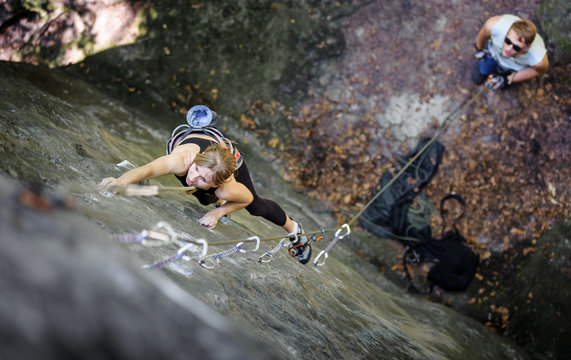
[509, 42]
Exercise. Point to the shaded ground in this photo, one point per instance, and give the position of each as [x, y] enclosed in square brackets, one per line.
[507, 155]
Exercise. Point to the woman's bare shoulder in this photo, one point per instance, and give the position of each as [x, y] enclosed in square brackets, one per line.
[180, 159]
[232, 190]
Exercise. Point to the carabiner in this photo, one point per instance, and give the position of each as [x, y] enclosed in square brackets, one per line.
[202, 242]
[181, 251]
[257, 243]
[202, 262]
[183, 248]
[180, 254]
[158, 238]
[323, 252]
[347, 228]
[316, 238]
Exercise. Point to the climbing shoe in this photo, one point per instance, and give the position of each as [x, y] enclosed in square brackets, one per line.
[299, 247]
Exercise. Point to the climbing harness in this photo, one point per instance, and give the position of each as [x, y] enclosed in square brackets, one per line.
[235, 249]
[338, 236]
[147, 237]
[492, 81]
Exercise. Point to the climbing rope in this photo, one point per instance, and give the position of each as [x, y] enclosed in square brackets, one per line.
[154, 237]
[445, 125]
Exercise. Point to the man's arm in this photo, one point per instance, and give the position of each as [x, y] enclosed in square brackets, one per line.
[531, 71]
[486, 32]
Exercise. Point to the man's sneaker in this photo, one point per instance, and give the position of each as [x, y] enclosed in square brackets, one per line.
[300, 247]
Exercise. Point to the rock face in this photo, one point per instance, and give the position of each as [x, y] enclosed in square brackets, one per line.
[69, 290]
[60, 33]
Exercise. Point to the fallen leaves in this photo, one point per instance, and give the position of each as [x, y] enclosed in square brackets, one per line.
[498, 318]
[509, 166]
[273, 143]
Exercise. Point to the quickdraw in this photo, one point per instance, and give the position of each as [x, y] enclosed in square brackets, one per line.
[178, 256]
[159, 238]
[338, 236]
[150, 237]
[235, 249]
[271, 253]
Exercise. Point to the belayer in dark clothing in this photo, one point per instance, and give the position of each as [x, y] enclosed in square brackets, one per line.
[203, 158]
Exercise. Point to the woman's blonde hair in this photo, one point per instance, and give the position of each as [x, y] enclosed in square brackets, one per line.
[218, 159]
[525, 30]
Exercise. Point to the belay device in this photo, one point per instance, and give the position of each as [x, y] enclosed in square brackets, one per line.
[389, 216]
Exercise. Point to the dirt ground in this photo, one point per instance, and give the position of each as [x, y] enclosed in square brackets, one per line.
[507, 154]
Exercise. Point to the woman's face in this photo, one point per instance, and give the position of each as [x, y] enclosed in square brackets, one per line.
[200, 177]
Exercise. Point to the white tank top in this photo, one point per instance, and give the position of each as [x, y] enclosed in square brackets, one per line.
[499, 32]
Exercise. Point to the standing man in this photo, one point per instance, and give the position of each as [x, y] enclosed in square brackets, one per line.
[510, 49]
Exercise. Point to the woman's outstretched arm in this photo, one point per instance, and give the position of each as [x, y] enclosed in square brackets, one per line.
[168, 164]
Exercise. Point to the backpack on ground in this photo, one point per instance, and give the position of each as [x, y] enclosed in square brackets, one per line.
[393, 215]
[455, 263]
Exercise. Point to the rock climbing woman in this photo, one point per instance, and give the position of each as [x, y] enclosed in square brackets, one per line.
[200, 156]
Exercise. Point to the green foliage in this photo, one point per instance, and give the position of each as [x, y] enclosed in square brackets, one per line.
[38, 6]
[554, 20]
